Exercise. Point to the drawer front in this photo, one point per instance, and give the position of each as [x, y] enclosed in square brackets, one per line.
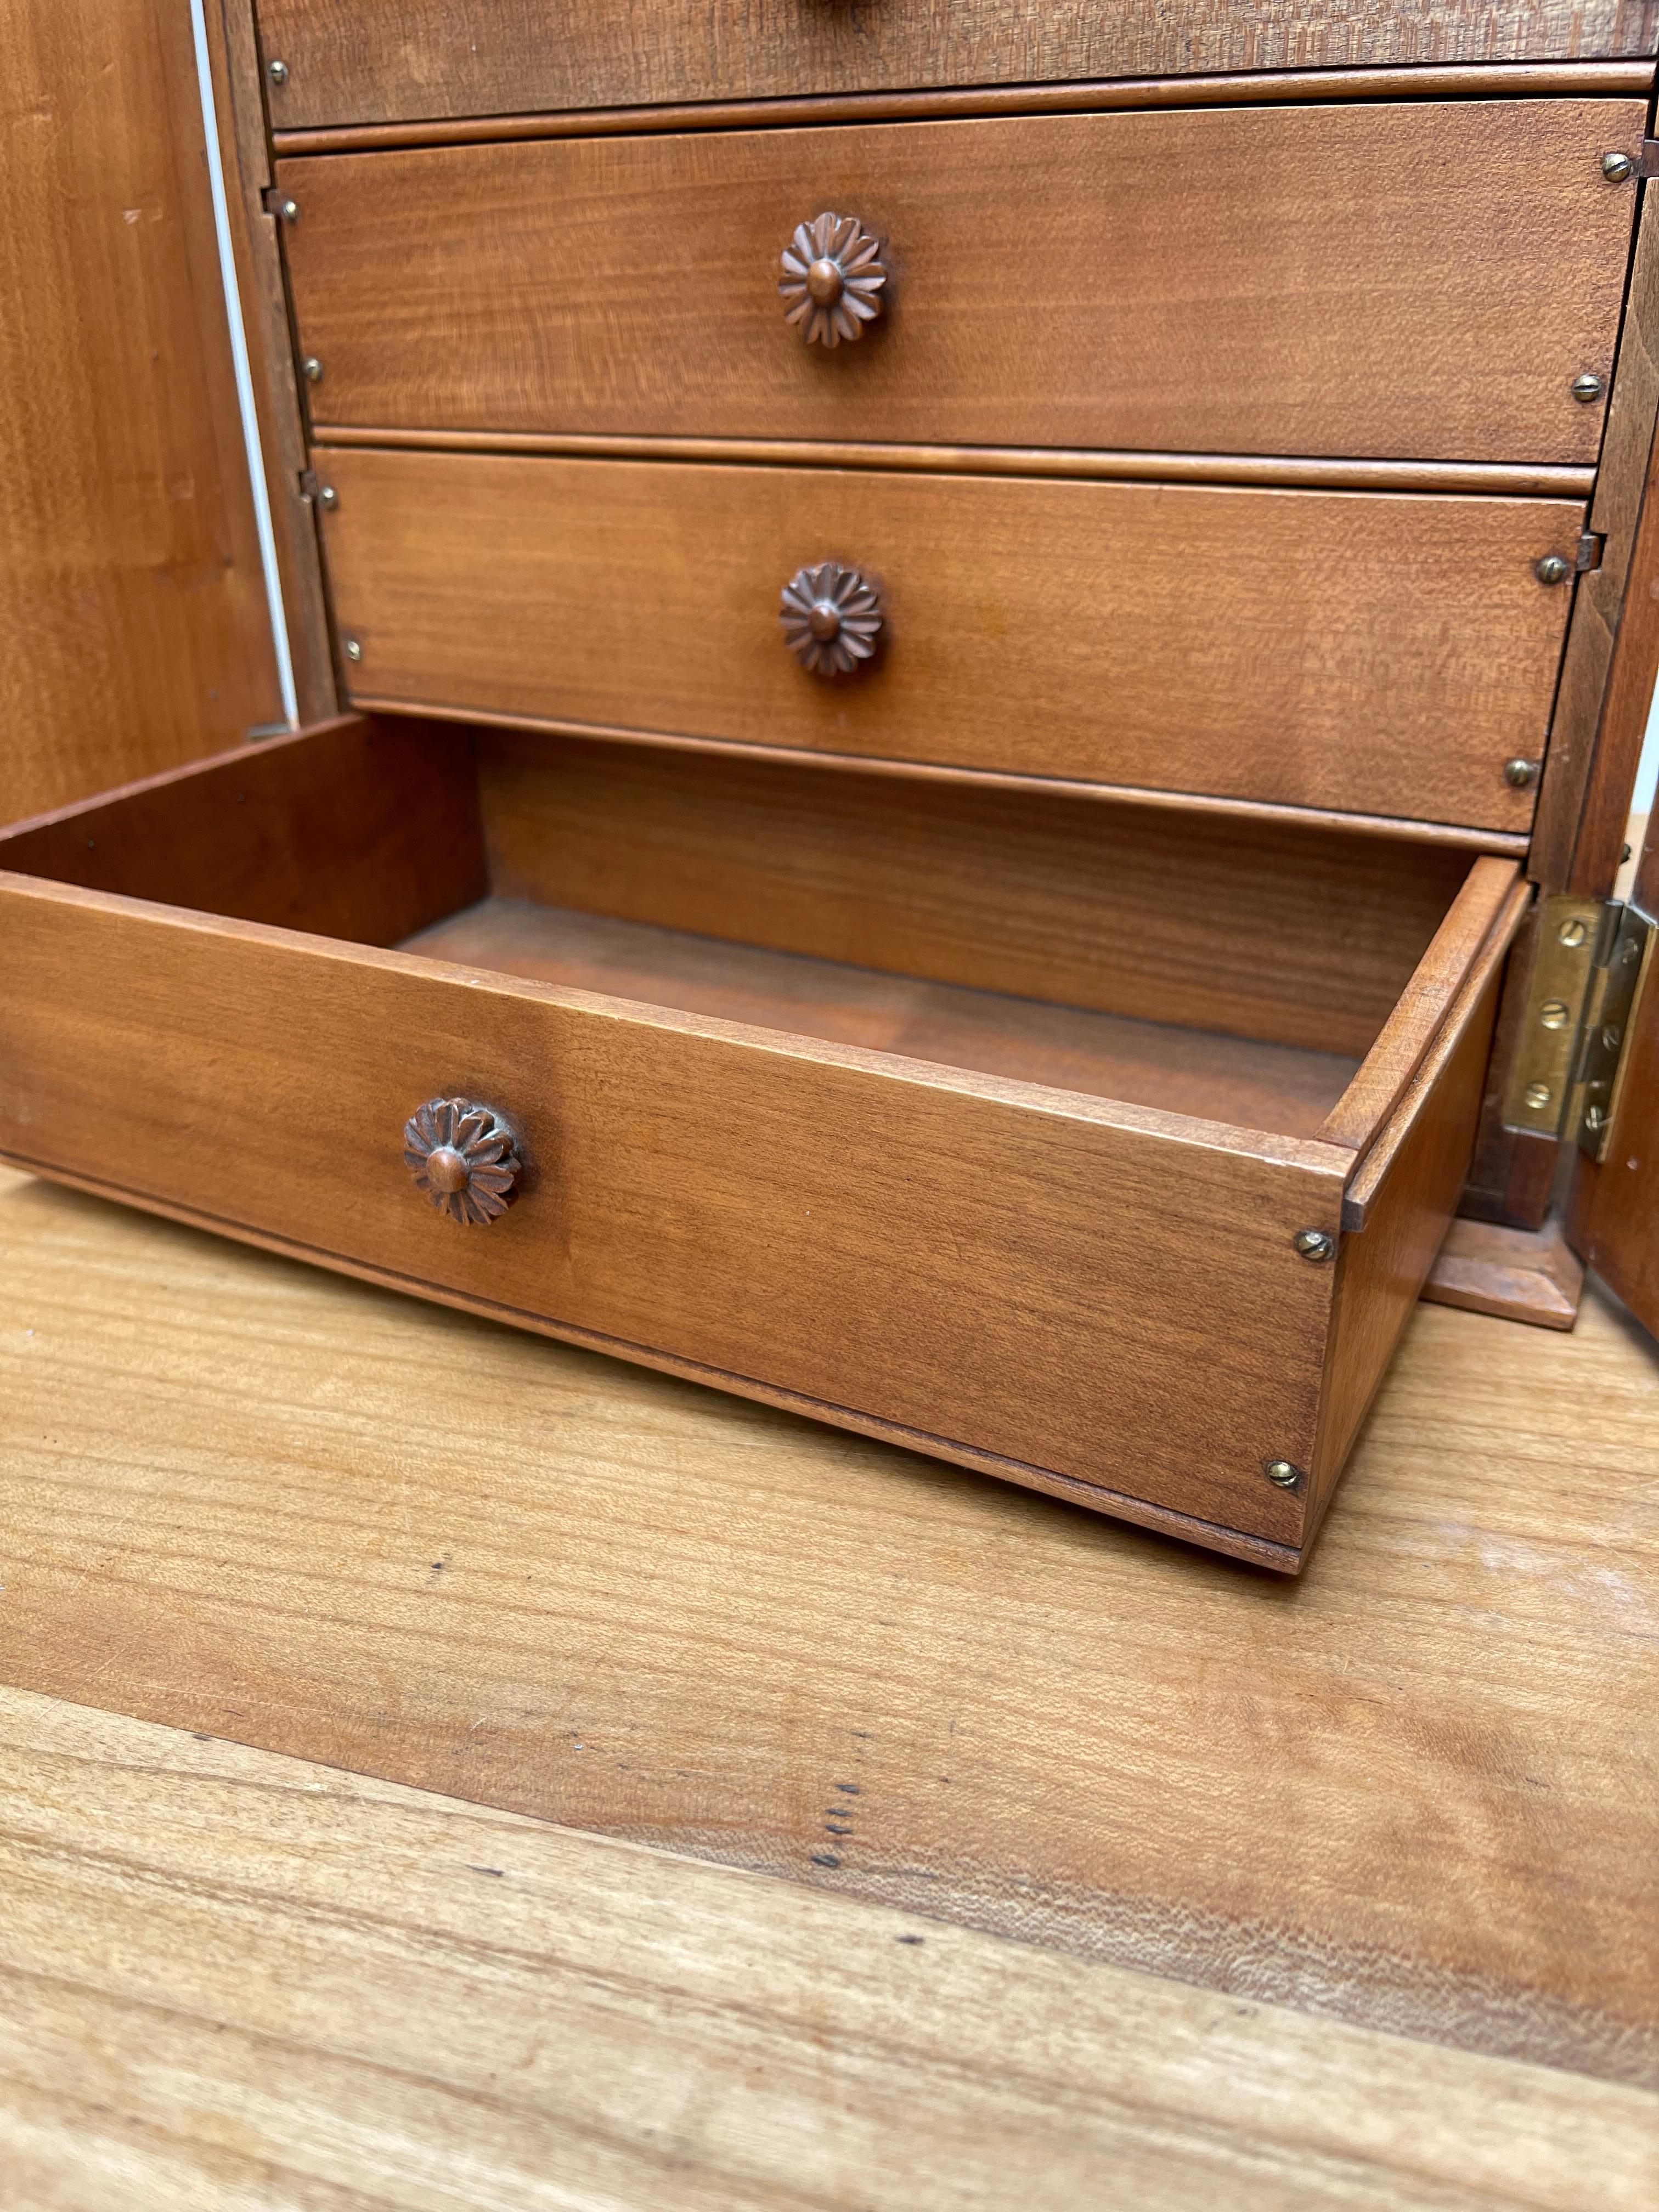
[389, 59]
[1041, 1282]
[1421, 281]
[1351, 651]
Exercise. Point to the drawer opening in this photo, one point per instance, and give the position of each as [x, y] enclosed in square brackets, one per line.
[1264, 976]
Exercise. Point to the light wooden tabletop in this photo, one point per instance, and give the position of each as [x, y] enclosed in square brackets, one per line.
[1334, 1892]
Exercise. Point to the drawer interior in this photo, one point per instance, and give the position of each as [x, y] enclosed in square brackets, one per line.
[1253, 972]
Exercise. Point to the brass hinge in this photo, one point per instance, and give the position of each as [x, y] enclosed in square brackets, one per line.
[1592, 957]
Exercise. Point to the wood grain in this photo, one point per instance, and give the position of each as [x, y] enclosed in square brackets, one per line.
[231, 1971]
[956, 1255]
[245, 153]
[1599, 597]
[1424, 1005]
[1290, 472]
[1274, 281]
[354, 830]
[1182, 1071]
[1413, 1789]
[133, 622]
[1618, 1231]
[1175, 636]
[1527, 1275]
[1268, 931]
[422, 58]
[1405, 1196]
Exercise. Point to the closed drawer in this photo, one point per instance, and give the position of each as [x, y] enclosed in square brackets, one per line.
[388, 59]
[1348, 651]
[1421, 281]
[1099, 1295]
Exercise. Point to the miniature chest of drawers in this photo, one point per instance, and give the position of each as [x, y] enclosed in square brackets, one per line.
[974, 675]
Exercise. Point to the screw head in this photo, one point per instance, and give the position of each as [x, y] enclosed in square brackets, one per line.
[290, 210]
[1521, 774]
[328, 498]
[1572, 933]
[1553, 569]
[1286, 1476]
[1537, 1096]
[1611, 1036]
[1596, 1117]
[277, 72]
[1315, 1244]
[1587, 389]
[1554, 1013]
[311, 369]
[353, 651]
[1617, 168]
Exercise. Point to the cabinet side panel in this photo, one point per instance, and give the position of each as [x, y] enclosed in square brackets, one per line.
[1115, 1298]
[134, 625]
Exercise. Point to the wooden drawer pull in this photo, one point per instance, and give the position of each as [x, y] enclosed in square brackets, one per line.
[833, 278]
[831, 617]
[465, 1157]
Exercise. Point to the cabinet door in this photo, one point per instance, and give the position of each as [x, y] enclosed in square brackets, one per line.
[1618, 1216]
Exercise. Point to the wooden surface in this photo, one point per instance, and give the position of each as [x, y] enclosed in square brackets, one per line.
[1587, 784]
[352, 830]
[133, 624]
[1621, 1238]
[1273, 281]
[1173, 636]
[928, 1248]
[230, 1976]
[1415, 1790]
[1293, 935]
[1527, 1275]
[245, 152]
[426, 58]
[1218, 1078]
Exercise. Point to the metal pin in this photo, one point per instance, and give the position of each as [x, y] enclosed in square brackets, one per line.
[1286, 1476]
[1553, 569]
[1587, 389]
[277, 72]
[353, 651]
[1521, 773]
[313, 369]
[328, 498]
[1617, 168]
[1315, 1244]
[289, 210]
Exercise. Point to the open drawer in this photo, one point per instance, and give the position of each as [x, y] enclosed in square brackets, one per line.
[1101, 1146]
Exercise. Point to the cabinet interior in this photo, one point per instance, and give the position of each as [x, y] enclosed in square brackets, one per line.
[1232, 969]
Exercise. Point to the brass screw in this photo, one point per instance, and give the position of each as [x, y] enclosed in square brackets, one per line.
[1286, 1476]
[313, 368]
[1572, 933]
[1523, 773]
[1553, 569]
[328, 498]
[1617, 168]
[1538, 1096]
[1315, 1244]
[277, 72]
[1587, 389]
[1554, 1014]
[1611, 1036]
[353, 651]
[1596, 1117]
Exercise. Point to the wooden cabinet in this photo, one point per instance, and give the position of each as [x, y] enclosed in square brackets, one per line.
[959, 881]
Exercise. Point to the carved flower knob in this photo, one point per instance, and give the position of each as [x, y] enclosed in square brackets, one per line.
[832, 279]
[831, 618]
[463, 1157]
